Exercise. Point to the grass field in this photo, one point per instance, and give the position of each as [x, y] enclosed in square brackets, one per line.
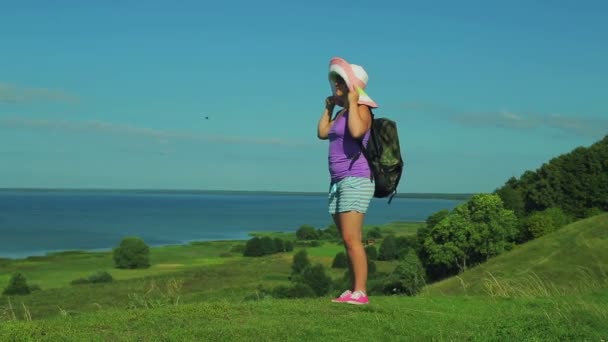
[386, 319]
[553, 288]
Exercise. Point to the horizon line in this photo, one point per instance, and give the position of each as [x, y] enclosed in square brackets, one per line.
[165, 190]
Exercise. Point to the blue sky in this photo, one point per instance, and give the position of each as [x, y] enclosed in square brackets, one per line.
[115, 94]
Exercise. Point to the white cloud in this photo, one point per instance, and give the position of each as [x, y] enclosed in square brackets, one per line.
[569, 124]
[160, 136]
[12, 94]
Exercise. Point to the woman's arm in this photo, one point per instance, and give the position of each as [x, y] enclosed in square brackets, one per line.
[325, 121]
[359, 116]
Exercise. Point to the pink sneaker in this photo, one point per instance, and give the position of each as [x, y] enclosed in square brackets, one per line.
[344, 297]
[358, 298]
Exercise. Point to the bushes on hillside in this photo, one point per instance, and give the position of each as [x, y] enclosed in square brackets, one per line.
[132, 253]
[575, 182]
[340, 261]
[300, 262]
[374, 233]
[388, 248]
[307, 280]
[17, 285]
[307, 232]
[371, 252]
[315, 277]
[95, 278]
[473, 232]
[542, 223]
[260, 246]
[407, 278]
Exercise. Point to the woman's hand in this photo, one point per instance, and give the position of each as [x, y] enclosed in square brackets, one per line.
[330, 102]
[353, 97]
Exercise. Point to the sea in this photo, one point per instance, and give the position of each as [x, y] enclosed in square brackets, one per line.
[36, 222]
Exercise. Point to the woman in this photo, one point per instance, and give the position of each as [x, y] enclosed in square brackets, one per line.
[351, 188]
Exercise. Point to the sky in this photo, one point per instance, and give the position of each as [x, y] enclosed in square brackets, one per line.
[226, 95]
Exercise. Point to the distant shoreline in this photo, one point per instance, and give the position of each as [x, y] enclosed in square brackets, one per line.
[448, 196]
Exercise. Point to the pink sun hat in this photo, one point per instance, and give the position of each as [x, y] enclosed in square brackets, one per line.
[355, 77]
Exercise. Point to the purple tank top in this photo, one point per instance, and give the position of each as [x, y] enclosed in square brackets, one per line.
[343, 151]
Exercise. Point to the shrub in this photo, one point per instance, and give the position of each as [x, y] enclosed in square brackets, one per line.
[268, 245]
[279, 245]
[288, 246]
[407, 278]
[95, 278]
[388, 248]
[330, 233]
[307, 232]
[543, 222]
[593, 212]
[340, 261]
[374, 233]
[315, 277]
[371, 252]
[371, 268]
[132, 253]
[100, 277]
[17, 285]
[253, 247]
[300, 262]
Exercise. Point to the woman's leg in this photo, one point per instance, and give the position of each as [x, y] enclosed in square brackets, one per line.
[351, 272]
[350, 225]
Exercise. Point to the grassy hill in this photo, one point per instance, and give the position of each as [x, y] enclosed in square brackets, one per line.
[386, 319]
[571, 260]
[553, 288]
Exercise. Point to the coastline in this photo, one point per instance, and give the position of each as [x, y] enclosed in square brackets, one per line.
[185, 243]
[423, 195]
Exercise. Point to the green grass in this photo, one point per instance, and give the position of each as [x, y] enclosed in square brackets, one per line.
[571, 260]
[385, 319]
[553, 288]
[59, 269]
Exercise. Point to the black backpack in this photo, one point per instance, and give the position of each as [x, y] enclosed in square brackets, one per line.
[383, 155]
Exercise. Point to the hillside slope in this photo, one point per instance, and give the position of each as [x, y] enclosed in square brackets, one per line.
[386, 319]
[572, 260]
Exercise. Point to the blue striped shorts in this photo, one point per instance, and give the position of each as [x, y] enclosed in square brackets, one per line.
[351, 194]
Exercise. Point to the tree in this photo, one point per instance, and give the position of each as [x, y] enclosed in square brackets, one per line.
[17, 285]
[288, 246]
[543, 222]
[279, 245]
[371, 252]
[407, 278]
[132, 253]
[574, 182]
[340, 261]
[431, 222]
[435, 218]
[388, 248]
[307, 232]
[512, 199]
[473, 232]
[330, 233]
[404, 244]
[315, 277]
[300, 262]
[268, 245]
[374, 233]
[254, 247]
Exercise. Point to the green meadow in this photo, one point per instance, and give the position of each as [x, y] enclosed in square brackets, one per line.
[552, 288]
